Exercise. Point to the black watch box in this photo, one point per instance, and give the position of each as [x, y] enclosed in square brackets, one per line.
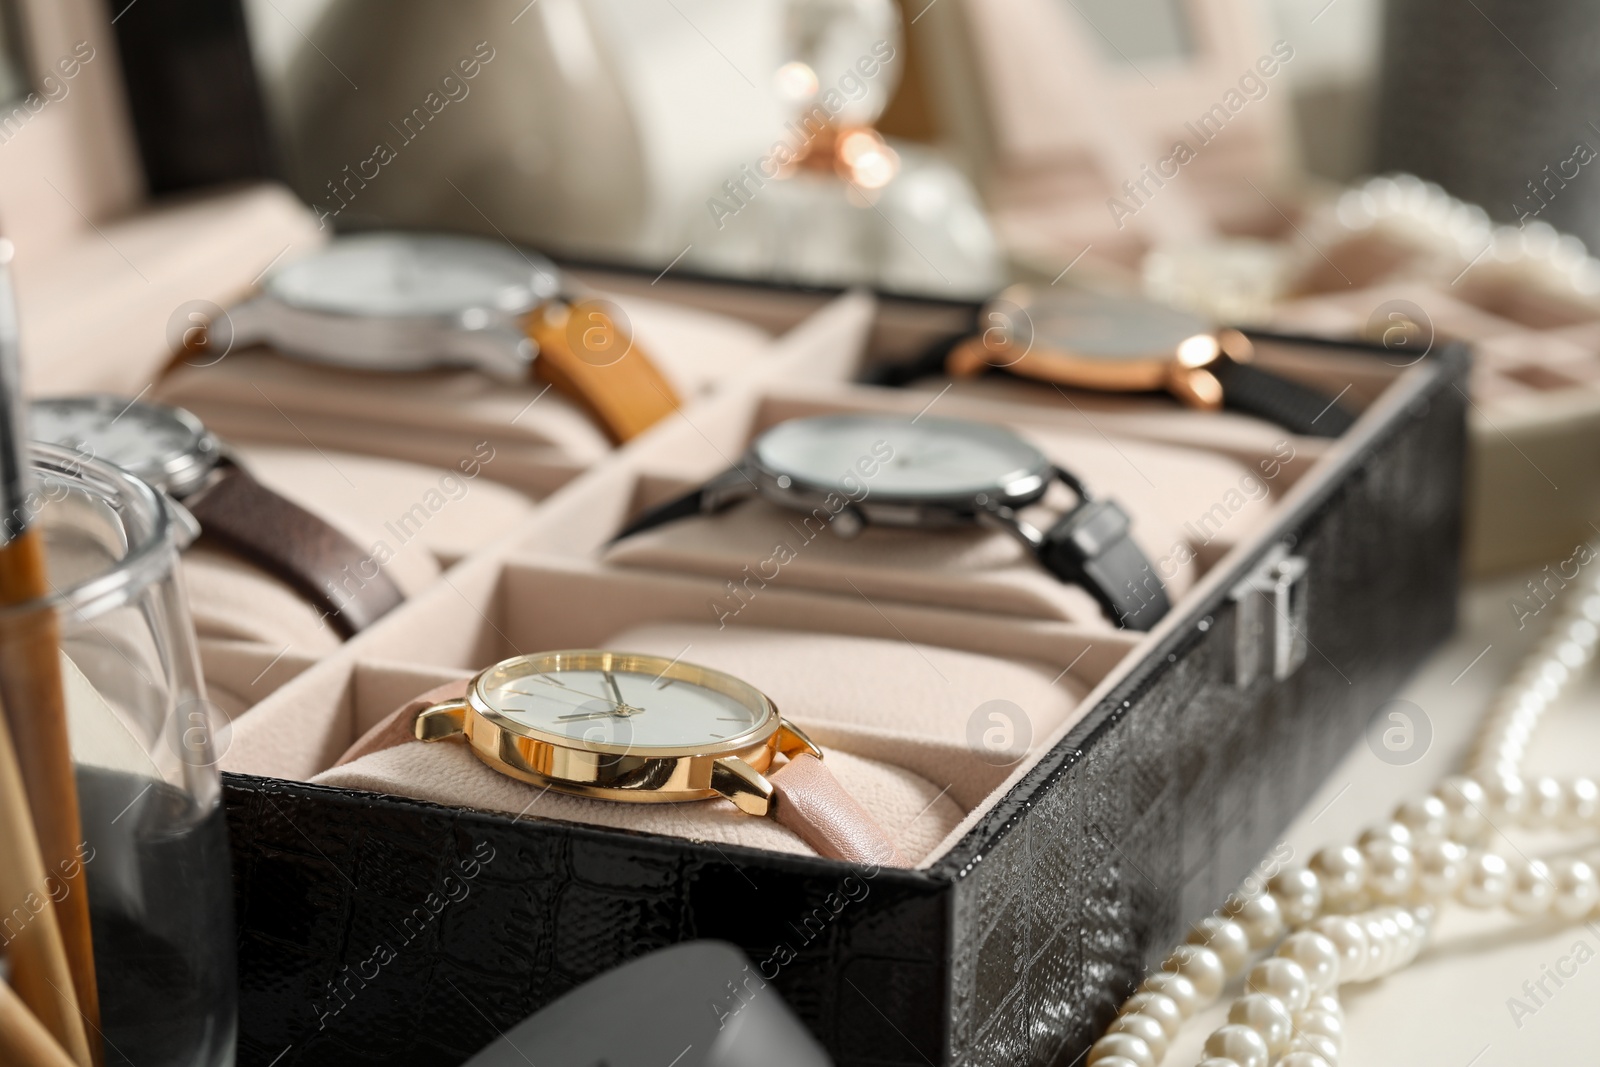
[378, 929]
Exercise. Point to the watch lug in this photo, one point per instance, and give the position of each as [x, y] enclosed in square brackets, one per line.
[741, 783]
[500, 351]
[1005, 519]
[1197, 387]
[792, 741]
[442, 721]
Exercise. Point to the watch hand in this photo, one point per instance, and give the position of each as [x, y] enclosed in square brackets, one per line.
[611, 680]
[590, 715]
[563, 685]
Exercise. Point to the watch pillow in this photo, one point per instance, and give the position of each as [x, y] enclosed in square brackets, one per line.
[1168, 492]
[891, 697]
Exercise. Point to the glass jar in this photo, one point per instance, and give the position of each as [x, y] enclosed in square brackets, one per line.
[145, 745]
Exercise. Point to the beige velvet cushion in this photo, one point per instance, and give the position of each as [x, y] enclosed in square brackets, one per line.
[838, 688]
[1166, 490]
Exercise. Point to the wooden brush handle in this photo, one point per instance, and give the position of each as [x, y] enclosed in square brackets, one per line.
[36, 775]
[24, 1042]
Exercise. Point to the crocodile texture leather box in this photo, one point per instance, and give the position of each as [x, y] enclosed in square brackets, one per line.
[378, 928]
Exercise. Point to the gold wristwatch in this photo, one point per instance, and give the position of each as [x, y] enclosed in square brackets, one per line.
[638, 728]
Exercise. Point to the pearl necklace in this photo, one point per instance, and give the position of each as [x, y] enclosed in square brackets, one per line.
[1359, 912]
[1459, 233]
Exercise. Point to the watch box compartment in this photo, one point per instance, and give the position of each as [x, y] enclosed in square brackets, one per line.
[1013, 940]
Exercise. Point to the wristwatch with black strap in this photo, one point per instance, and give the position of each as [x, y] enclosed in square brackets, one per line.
[932, 473]
[1123, 344]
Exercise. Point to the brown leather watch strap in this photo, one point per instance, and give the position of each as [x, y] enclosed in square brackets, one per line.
[587, 352]
[810, 801]
[398, 727]
[278, 535]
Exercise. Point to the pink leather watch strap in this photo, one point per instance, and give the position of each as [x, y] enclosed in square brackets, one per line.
[810, 801]
[396, 728]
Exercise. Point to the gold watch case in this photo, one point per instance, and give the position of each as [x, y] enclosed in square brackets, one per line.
[1095, 341]
[734, 768]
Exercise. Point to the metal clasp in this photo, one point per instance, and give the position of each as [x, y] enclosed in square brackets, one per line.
[1270, 618]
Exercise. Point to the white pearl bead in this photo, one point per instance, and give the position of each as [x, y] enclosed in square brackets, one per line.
[1343, 872]
[1267, 1016]
[1390, 869]
[1545, 804]
[1316, 1044]
[1224, 937]
[1202, 967]
[1380, 951]
[1302, 1058]
[1507, 795]
[1577, 888]
[1531, 890]
[1130, 1048]
[1146, 1029]
[1176, 988]
[1413, 933]
[1349, 937]
[1466, 802]
[1441, 865]
[1113, 1061]
[1583, 804]
[1327, 1004]
[1487, 881]
[1158, 1006]
[1240, 1044]
[1426, 817]
[1298, 892]
[1260, 916]
[1395, 832]
[1316, 1022]
[1395, 943]
[1317, 955]
[1218, 1061]
[1281, 978]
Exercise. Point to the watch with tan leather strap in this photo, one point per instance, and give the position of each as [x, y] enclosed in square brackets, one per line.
[411, 302]
[173, 451]
[638, 728]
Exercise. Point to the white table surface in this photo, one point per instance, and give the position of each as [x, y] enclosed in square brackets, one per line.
[1450, 1007]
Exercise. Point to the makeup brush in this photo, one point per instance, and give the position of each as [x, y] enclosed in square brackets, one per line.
[39, 976]
[23, 1039]
[31, 689]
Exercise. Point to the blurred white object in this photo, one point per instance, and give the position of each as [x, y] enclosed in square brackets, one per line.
[924, 232]
[590, 127]
[1232, 280]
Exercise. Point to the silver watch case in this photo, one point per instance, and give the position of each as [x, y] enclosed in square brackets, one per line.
[994, 507]
[488, 338]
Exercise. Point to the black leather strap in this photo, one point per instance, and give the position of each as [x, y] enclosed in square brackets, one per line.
[691, 503]
[1297, 408]
[1090, 546]
[281, 537]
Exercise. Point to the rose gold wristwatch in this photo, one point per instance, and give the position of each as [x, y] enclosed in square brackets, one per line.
[639, 728]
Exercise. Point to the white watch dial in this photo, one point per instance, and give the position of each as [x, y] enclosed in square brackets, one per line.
[394, 275]
[618, 707]
[1112, 328]
[897, 458]
[167, 447]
